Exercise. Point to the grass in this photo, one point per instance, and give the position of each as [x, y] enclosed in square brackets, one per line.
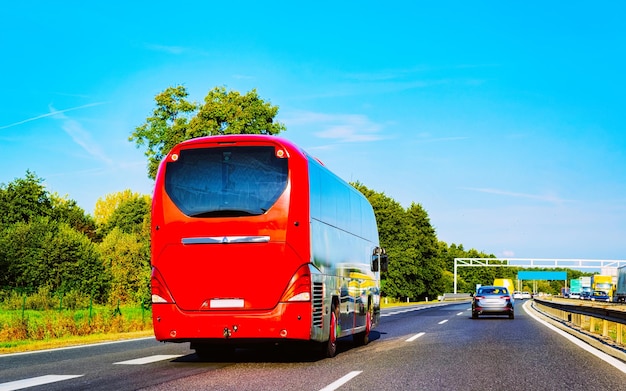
[25, 330]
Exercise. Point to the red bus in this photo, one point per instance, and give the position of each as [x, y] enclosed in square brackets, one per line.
[253, 240]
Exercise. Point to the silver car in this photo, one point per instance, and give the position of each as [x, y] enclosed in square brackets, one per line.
[493, 300]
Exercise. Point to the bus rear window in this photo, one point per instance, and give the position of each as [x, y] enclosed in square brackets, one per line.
[226, 181]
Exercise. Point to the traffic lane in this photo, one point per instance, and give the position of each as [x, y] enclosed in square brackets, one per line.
[401, 321]
[299, 370]
[489, 353]
[444, 357]
[103, 366]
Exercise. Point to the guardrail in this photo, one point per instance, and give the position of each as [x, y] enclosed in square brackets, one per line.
[455, 297]
[606, 320]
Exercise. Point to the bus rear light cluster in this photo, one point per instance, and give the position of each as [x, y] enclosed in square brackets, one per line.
[160, 293]
[299, 288]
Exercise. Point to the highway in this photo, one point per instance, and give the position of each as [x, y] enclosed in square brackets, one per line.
[437, 347]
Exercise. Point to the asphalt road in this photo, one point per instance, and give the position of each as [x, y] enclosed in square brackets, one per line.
[435, 348]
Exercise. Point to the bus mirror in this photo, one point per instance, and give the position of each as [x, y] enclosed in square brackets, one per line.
[383, 263]
[379, 260]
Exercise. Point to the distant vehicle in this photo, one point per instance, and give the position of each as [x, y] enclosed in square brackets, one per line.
[585, 294]
[603, 283]
[517, 295]
[620, 289]
[575, 287]
[600, 296]
[526, 295]
[493, 300]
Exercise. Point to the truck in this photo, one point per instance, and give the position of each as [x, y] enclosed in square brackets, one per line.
[574, 288]
[620, 289]
[585, 287]
[603, 283]
[505, 282]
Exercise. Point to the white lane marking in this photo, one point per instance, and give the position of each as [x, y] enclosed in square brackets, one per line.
[76, 347]
[149, 359]
[459, 314]
[443, 321]
[35, 381]
[601, 355]
[416, 336]
[408, 310]
[338, 383]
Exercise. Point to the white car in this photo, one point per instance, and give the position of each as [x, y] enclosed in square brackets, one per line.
[526, 295]
[517, 295]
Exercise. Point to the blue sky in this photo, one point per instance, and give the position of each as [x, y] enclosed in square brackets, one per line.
[503, 119]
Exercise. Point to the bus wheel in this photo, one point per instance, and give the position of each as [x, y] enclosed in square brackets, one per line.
[331, 345]
[363, 338]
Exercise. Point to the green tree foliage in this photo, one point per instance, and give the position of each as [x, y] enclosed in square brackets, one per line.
[126, 256]
[131, 215]
[125, 250]
[105, 206]
[175, 119]
[415, 269]
[67, 211]
[44, 252]
[23, 199]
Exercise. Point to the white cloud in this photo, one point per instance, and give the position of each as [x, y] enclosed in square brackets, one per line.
[345, 128]
[80, 136]
[50, 114]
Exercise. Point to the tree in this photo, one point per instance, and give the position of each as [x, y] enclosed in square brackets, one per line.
[127, 259]
[23, 199]
[107, 205]
[422, 238]
[175, 119]
[45, 252]
[131, 216]
[68, 211]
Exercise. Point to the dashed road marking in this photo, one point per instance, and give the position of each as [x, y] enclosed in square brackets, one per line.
[416, 336]
[340, 382]
[407, 310]
[35, 381]
[149, 359]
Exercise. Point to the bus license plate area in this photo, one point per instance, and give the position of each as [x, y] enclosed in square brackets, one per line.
[226, 303]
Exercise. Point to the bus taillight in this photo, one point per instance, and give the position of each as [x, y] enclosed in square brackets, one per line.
[160, 293]
[299, 288]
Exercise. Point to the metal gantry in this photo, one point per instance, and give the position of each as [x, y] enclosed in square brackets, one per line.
[608, 266]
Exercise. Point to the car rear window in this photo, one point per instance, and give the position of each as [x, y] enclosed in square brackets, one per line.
[493, 291]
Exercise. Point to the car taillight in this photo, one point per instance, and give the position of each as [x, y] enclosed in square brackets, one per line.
[160, 293]
[506, 297]
[299, 288]
[479, 297]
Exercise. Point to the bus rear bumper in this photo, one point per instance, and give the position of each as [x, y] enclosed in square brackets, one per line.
[287, 321]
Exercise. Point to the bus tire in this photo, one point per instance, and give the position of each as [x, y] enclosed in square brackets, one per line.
[330, 347]
[363, 338]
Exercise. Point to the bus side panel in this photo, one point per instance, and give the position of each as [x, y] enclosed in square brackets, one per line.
[343, 237]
